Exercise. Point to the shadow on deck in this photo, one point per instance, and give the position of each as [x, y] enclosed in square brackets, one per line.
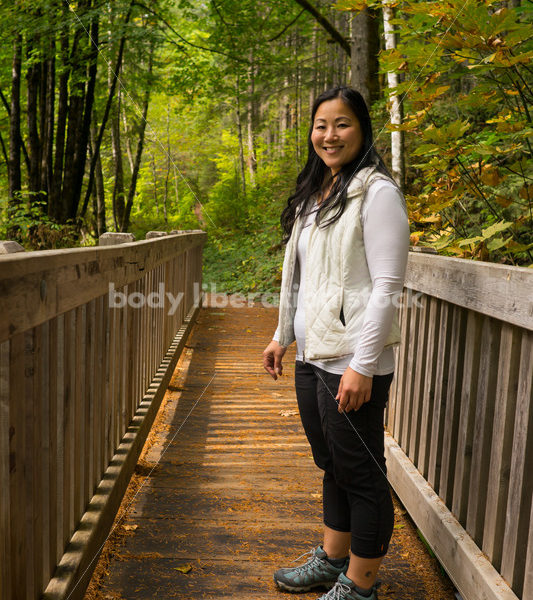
[226, 490]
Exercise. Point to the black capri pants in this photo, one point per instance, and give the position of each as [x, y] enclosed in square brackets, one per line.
[349, 448]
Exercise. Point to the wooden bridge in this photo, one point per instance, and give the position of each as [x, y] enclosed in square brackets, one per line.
[89, 343]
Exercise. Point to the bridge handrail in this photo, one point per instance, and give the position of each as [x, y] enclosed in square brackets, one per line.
[88, 341]
[461, 412]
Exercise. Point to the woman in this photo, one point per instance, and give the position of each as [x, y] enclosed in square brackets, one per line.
[347, 241]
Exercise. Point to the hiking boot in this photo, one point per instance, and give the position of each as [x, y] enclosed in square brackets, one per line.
[344, 589]
[316, 572]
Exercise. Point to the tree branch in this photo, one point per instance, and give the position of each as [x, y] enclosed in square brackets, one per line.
[331, 29]
[184, 40]
[287, 26]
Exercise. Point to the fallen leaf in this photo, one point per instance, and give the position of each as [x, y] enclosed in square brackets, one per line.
[183, 568]
[288, 413]
[130, 527]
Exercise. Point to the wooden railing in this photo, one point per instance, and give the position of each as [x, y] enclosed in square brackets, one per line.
[460, 450]
[88, 340]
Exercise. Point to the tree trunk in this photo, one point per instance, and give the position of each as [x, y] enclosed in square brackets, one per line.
[14, 171]
[54, 206]
[33, 78]
[4, 150]
[360, 59]
[82, 140]
[250, 118]
[99, 189]
[364, 61]
[397, 154]
[138, 157]
[127, 137]
[154, 177]
[107, 110]
[167, 174]
[47, 123]
[118, 188]
[74, 119]
[140, 145]
[239, 131]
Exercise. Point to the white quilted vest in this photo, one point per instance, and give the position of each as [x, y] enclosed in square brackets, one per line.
[337, 277]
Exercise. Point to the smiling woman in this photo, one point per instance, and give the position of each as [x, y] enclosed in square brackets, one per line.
[337, 137]
[347, 241]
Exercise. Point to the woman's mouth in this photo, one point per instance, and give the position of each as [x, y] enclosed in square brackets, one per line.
[332, 149]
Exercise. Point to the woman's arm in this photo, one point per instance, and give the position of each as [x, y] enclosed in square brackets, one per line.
[386, 239]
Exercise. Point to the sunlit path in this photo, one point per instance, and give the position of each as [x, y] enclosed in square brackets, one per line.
[234, 492]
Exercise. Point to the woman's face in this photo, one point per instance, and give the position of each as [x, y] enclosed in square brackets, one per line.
[336, 135]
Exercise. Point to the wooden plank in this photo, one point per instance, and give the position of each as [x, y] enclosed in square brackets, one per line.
[154, 329]
[469, 569]
[441, 393]
[5, 509]
[483, 424]
[28, 408]
[132, 364]
[111, 376]
[429, 384]
[125, 376]
[57, 438]
[69, 432]
[495, 290]
[101, 360]
[41, 455]
[91, 374]
[520, 480]
[453, 401]
[130, 369]
[461, 447]
[143, 342]
[17, 443]
[420, 384]
[502, 441]
[118, 370]
[407, 328]
[79, 449]
[36, 286]
[390, 409]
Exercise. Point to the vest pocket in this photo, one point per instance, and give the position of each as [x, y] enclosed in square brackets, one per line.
[341, 316]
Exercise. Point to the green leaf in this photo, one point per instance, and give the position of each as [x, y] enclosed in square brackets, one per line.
[496, 243]
[492, 230]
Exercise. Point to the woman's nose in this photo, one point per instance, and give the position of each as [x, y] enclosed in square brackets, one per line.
[330, 133]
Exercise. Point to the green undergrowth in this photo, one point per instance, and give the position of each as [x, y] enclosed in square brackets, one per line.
[249, 262]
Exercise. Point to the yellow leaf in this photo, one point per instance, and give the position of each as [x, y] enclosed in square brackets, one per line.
[526, 192]
[490, 175]
[183, 569]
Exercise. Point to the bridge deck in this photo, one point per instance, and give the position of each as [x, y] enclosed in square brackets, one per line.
[226, 489]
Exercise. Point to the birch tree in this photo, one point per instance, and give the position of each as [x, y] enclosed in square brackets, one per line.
[395, 107]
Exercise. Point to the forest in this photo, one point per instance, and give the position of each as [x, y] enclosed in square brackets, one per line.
[139, 115]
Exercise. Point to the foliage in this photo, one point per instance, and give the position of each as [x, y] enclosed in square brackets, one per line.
[34, 229]
[467, 93]
[228, 90]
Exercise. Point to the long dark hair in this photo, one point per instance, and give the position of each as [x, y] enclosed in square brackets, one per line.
[312, 176]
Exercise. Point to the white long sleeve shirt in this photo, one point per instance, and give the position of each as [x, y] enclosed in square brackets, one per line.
[386, 240]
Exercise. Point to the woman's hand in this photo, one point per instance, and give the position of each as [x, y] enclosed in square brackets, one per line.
[354, 390]
[272, 357]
